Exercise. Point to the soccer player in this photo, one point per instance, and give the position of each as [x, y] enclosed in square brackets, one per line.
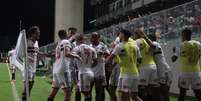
[72, 33]
[116, 41]
[99, 70]
[11, 57]
[32, 50]
[129, 55]
[86, 75]
[61, 76]
[112, 72]
[190, 74]
[163, 69]
[149, 86]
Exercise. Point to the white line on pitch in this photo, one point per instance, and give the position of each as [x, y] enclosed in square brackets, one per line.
[14, 90]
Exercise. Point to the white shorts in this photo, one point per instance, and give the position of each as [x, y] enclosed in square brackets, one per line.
[114, 77]
[31, 75]
[148, 75]
[187, 80]
[128, 84]
[165, 78]
[99, 70]
[13, 68]
[85, 80]
[61, 80]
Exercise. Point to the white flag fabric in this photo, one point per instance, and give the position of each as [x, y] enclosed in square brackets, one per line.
[21, 49]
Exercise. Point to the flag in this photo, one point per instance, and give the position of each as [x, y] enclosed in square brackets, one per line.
[21, 51]
[21, 58]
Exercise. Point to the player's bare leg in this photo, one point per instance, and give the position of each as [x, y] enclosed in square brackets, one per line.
[100, 90]
[67, 94]
[77, 94]
[53, 94]
[87, 96]
[31, 83]
[112, 92]
[135, 97]
[124, 96]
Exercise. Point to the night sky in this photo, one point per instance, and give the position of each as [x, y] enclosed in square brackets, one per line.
[31, 12]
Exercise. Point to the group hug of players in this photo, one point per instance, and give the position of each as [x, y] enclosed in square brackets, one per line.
[133, 67]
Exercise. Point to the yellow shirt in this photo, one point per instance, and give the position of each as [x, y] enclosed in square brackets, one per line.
[189, 56]
[147, 55]
[127, 54]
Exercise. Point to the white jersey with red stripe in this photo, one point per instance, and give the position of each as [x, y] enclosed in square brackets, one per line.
[101, 49]
[32, 50]
[88, 54]
[62, 62]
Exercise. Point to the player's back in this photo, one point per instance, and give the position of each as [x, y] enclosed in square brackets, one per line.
[147, 55]
[128, 55]
[62, 62]
[190, 55]
[88, 54]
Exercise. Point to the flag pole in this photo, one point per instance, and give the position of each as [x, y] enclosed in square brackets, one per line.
[20, 27]
[26, 71]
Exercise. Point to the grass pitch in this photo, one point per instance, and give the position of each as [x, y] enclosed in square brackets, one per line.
[40, 90]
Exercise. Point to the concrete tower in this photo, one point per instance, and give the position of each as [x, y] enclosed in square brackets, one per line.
[68, 13]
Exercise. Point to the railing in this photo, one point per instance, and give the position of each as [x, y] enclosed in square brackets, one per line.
[168, 22]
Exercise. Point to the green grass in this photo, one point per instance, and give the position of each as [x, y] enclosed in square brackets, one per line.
[5, 85]
[41, 88]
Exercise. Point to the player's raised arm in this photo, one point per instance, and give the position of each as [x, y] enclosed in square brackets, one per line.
[143, 35]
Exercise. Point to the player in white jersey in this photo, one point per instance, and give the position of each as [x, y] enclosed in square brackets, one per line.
[163, 69]
[190, 72]
[72, 32]
[61, 76]
[32, 50]
[11, 55]
[99, 70]
[112, 72]
[85, 74]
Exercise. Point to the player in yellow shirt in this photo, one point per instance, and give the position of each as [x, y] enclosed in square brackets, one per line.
[128, 54]
[190, 74]
[148, 87]
[163, 69]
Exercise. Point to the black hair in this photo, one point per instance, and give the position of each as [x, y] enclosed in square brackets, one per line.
[96, 34]
[72, 29]
[79, 37]
[152, 37]
[32, 30]
[187, 32]
[62, 34]
[126, 33]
